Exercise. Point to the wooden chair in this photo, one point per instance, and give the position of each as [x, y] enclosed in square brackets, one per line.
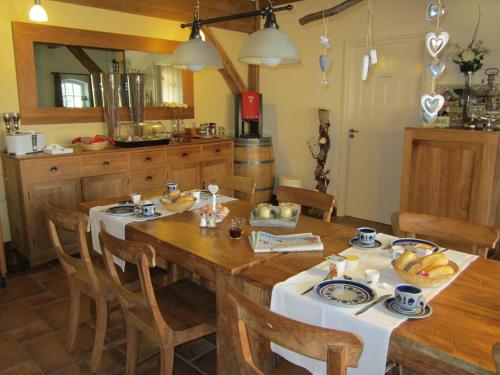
[496, 356]
[243, 186]
[3, 262]
[83, 277]
[309, 198]
[178, 313]
[481, 238]
[339, 349]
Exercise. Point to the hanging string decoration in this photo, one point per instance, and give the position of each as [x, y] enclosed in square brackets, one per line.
[371, 57]
[324, 59]
[435, 42]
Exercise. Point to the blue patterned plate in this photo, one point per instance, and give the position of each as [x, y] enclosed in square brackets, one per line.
[344, 292]
[410, 243]
[356, 243]
[121, 210]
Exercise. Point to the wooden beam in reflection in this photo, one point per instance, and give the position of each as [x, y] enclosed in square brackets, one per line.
[84, 59]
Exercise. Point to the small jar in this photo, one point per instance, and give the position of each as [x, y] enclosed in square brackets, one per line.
[285, 210]
[264, 211]
[211, 221]
[203, 220]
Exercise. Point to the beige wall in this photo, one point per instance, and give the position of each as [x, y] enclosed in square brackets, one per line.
[213, 100]
[293, 94]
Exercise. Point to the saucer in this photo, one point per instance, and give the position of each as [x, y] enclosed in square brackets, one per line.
[419, 313]
[142, 216]
[356, 243]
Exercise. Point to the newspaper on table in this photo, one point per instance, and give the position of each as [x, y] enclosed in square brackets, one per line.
[263, 242]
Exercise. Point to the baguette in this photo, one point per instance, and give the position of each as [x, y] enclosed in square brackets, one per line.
[428, 262]
[441, 271]
[405, 259]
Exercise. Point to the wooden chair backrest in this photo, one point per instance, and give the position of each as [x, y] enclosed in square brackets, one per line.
[77, 223]
[243, 185]
[339, 349]
[480, 237]
[143, 256]
[496, 356]
[310, 198]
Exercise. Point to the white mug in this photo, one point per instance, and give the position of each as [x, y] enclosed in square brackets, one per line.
[136, 198]
[397, 251]
[196, 195]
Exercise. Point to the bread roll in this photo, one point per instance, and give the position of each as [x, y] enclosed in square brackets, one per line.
[185, 199]
[428, 262]
[405, 259]
[440, 271]
[174, 195]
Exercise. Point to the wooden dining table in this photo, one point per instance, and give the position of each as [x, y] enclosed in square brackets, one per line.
[456, 339]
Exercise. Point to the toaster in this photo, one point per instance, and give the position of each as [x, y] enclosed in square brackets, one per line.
[24, 143]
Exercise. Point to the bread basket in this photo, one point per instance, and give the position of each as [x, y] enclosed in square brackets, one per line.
[176, 206]
[425, 281]
[97, 146]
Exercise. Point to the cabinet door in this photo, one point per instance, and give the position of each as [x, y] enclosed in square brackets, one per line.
[104, 187]
[209, 169]
[187, 175]
[62, 194]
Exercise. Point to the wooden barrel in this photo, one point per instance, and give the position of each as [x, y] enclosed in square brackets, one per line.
[254, 157]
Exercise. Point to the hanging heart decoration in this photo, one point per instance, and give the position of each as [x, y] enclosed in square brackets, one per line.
[214, 189]
[432, 104]
[434, 11]
[324, 63]
[436, 68]
[429, 119]
[435, 43]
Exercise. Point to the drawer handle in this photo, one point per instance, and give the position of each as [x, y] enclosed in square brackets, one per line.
[149, 178]
[106, 163]
[54, 169]
[147, 159]
[184, 155]
[217, 150]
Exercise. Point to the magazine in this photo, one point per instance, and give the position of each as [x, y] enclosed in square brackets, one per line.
[263, 242]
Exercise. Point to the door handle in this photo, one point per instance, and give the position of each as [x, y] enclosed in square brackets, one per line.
[352, 132]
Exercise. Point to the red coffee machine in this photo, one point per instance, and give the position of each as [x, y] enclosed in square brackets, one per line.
[248, 115]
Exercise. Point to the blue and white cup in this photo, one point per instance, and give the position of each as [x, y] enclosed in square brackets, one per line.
[409, 298]
[366, 235]
[148, 208]
[172, 186]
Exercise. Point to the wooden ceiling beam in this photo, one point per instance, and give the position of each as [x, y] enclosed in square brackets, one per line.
[229, 72]
[330, 12]
[182, 10]
[84, 59]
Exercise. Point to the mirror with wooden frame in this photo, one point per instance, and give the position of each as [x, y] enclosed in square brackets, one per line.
[57, 70]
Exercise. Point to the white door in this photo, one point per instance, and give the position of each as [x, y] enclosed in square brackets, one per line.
[377, 112]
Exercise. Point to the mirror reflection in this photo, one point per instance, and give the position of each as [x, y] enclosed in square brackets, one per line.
[69, 76]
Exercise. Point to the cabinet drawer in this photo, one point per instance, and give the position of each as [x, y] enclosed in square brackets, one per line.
[217, 151]
[184, 154]
[55, 168]
[104, 164]
[146, 159]
[148, 179]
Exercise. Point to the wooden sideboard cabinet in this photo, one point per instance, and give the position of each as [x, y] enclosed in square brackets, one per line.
[453, 173]
[65, 181]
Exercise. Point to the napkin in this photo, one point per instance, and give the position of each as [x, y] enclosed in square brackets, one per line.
[374, 326]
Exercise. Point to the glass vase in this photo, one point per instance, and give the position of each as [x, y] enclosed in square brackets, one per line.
[466, 98]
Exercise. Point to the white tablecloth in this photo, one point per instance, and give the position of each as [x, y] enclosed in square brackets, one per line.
[116, 225]
[374, 326]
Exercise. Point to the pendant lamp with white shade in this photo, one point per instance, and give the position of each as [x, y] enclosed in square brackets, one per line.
[196, 54]
[37, 13]
[269, 46]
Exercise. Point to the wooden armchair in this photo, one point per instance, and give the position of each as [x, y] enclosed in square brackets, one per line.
[481, 238]
[338, 348]
[496, 356]
[310, 198]
[178, 313]
[244, 187]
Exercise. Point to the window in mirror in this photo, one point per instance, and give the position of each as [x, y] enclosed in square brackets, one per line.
[69, 76]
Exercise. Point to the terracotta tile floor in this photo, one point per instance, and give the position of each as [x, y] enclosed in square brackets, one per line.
[33, 325]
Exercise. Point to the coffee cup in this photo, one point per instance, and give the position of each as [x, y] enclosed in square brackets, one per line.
[171, 186]
[148, 208]
[366, 235]
[409, 297]
[372, 276]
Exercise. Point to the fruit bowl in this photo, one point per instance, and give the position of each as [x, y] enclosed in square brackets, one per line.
[425, 281]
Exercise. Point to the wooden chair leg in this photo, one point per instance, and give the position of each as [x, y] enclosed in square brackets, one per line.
[132, 348]
[100, 333]
[74, 315]
[167, 358]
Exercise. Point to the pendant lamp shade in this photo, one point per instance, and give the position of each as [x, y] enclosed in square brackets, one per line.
[37, 13]
[269, 47]
[195, 54]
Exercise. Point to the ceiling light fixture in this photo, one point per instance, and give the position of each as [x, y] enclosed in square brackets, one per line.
[37, 13]
[269, 46]
[196, 54]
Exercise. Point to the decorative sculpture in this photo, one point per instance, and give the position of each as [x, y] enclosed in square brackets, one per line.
[319, 150]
